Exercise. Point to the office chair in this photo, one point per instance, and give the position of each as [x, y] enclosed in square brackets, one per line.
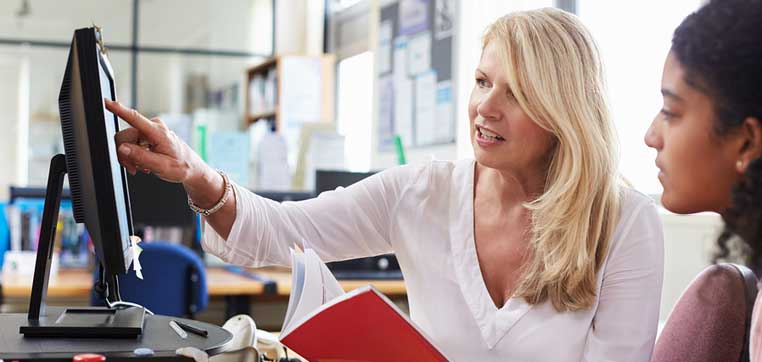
[711, 320]
[174, 281]
[755, 345]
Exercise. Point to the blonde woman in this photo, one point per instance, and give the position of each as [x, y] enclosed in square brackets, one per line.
[531, 252]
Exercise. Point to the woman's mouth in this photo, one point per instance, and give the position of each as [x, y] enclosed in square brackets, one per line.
[487, 135]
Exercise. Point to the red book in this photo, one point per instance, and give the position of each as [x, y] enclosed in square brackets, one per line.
[362, 325]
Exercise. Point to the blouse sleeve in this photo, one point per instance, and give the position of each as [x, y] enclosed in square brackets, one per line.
[342, 224]
[627, 315]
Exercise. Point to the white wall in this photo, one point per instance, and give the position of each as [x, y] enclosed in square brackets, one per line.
[689, 242]
[290, 26]
[9, 72]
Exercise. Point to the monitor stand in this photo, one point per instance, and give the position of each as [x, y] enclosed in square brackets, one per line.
[97, 322]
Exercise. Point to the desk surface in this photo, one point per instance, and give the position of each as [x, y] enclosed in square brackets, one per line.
[220, 282]
[79, 282]
[157, 335]
[282, 278]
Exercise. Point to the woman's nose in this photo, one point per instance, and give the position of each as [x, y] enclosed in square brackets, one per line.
[652, 137]
[488, 106]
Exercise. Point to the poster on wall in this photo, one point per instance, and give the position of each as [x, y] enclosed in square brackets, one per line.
[384, 52]
[385, 109]
[413, 16]
[443, 19]
[415, 77]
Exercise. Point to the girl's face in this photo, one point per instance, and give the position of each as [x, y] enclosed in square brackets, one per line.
[698, 168]
[502, 135]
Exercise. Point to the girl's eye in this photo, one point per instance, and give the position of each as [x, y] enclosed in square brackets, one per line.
[666, 115]
[482, 83]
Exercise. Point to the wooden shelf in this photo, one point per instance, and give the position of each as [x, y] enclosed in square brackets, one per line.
[271, 74]
[263, 67]
[256, 117]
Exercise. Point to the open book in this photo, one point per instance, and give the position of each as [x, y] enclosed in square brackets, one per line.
[325, 324]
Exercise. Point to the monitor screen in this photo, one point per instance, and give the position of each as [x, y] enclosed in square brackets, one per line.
[156, 202]
[97, 181]
[377, 267]
[327, 180]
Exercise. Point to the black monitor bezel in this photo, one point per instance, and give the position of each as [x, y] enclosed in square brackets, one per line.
[102, 221]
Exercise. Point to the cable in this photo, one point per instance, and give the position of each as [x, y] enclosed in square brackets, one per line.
[122, 303]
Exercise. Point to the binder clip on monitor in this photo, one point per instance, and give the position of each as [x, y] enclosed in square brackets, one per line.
[100, 200]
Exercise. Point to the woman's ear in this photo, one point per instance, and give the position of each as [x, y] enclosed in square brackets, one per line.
[751, 130]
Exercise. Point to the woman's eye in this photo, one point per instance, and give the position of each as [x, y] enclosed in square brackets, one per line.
[666, 115]
[482, 83]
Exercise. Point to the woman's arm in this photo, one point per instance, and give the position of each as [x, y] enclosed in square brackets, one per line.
[251, 230]
[346, 223]
[206, 190]
[151, 147]
[627, 315]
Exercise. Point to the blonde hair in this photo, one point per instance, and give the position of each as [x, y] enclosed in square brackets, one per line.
[557, 78]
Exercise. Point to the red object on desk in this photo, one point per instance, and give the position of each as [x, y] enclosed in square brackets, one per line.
[365, 326]
[89, 357]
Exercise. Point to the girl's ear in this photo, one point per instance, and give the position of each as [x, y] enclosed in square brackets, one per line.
[751, 131]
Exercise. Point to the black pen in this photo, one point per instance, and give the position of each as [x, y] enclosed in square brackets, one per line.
[192, 329]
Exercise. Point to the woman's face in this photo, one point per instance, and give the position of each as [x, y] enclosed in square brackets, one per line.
[697, 168]
[502, 135]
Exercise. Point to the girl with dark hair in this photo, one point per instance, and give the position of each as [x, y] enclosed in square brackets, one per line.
[708, 135]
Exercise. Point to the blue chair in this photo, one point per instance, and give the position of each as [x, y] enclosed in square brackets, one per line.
[5, 236]
[174, 281]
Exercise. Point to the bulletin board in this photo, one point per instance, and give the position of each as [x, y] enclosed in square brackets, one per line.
[414, 71]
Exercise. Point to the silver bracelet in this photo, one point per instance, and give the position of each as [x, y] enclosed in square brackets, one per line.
[219, 204]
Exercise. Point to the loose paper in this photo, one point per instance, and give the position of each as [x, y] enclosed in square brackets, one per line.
[403, 110]
[443, 19]
[413, 16]
[425, 108]
[444, 113]
[385, 109]
[419, 53]
[136, 250]
[227, 152]
[384, 55]
[400, 58]
[302, 103]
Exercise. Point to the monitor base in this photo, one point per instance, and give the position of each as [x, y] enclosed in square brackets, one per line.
[93, 322]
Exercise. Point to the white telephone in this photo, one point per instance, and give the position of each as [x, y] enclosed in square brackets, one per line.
[246, 335]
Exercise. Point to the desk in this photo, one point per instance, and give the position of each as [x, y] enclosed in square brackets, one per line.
[157, 336]
[238, 290]
[79, 283]
[282, 277]
[219, 282]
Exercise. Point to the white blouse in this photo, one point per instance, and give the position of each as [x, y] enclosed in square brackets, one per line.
[424, 214]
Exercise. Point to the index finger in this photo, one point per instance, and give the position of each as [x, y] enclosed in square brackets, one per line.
[135, 119]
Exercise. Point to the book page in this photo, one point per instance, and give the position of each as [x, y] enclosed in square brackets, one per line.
[297, 284]
[313, 285]
[331, 286]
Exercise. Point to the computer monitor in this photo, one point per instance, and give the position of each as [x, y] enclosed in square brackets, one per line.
[376, 267]
[99, 192]
[155, 202]
[327, 180]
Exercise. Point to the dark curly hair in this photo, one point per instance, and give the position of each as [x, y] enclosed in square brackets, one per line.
[720, 48]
